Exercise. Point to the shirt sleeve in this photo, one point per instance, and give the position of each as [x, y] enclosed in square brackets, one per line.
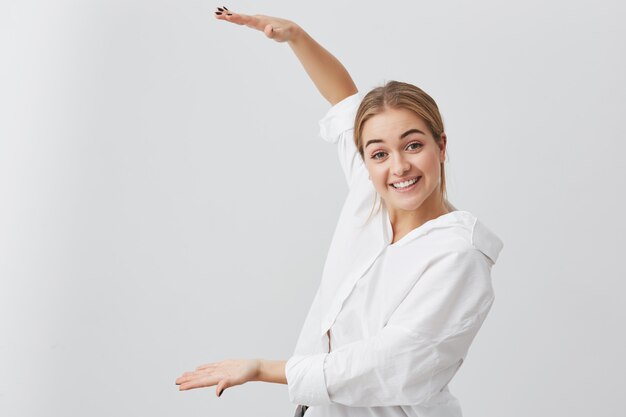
[417, 352]
[337, 127]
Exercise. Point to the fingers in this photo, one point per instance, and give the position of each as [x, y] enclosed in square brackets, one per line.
[223, 384]
[272, 27]
[198, 379]
[222, 13]
[206, 366]
[280, 30]
[188, 376]
[240, 19]
[224, 374]
[193, 380]
[184, 378]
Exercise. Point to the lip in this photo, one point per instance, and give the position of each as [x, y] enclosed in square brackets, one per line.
[404, 190]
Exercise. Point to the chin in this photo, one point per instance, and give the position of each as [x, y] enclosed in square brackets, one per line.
[404, 205]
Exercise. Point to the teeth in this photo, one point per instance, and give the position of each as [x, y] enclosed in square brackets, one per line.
[405, 183]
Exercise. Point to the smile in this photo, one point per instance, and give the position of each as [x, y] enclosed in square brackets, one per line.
[405, 185]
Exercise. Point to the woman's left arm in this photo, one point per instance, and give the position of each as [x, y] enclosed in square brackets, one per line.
[231, 372]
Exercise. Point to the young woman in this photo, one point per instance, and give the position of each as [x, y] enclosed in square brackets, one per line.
[406, 285]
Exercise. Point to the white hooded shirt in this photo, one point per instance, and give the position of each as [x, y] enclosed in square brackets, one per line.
[390, 324]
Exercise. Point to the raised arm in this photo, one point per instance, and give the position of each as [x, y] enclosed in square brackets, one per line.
[328, 74]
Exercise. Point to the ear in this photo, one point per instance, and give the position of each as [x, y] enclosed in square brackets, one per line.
[442, 147]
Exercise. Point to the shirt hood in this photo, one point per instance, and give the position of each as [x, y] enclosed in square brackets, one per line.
[486, 241]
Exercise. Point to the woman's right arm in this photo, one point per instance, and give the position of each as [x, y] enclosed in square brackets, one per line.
[328, 74]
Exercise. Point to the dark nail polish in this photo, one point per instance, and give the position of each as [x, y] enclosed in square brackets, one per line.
[229, 14]
[220, 9]
[220, 394]
[225, 8]
[218, 13]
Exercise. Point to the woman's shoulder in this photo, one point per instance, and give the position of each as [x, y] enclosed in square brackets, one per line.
[460, 231]
[479, 236]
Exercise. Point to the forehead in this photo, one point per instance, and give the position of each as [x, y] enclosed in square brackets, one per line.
[392, 123]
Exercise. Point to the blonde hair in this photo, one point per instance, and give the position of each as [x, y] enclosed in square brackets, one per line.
[399, 95]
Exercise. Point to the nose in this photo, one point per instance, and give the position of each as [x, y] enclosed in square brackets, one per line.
[399, 165]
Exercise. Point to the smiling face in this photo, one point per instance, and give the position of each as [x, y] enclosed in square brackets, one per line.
[404, 161]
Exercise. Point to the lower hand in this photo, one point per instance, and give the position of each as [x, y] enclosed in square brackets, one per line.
[224, 374]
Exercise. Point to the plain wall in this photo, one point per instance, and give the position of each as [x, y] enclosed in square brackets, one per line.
[166, 200]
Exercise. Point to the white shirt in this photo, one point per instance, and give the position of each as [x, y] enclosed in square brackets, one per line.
[390, 324]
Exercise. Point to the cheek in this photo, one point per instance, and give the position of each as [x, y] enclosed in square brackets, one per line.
[377, 174]
[430, 163]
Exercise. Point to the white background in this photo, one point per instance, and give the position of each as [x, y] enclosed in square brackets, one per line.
[166, 201]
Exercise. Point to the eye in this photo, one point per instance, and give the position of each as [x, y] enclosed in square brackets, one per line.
[414, 146]
[378, 155]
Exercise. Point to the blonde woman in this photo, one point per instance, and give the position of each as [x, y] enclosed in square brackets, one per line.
[407, 282]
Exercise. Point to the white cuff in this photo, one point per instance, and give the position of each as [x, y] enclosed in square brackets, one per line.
[339, 118]
[305, 380]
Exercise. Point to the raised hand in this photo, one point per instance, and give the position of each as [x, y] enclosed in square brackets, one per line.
[280, 30]
[224, 374]
[328, 74]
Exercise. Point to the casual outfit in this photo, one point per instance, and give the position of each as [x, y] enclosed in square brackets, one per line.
[390, 324]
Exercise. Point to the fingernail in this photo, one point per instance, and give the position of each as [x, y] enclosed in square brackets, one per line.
[218, 13]
[220, 394]
[229, 14]
[220, 9]
[225, 8]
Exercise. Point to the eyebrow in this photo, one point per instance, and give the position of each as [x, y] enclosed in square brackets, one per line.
[402, 136]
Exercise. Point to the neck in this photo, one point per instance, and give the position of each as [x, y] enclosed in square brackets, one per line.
[402, 221]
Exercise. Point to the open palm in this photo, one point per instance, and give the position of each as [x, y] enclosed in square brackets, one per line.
[224, 374]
